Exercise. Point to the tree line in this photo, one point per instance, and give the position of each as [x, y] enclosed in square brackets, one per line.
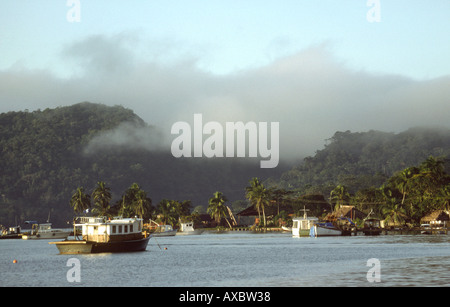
[135, 202]
[407, 196]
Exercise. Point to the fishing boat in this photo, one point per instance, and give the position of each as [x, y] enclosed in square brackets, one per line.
[11, 233]
[301, 225]
[164, 231]
[188, 229]
[45, 231]
[372, 227]
[101, 235]
[324, 229]
[334, 227]
[286, 229]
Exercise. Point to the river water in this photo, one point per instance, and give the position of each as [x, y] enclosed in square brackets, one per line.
[237, 260]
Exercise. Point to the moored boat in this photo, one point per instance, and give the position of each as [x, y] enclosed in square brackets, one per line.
[324, 229]
[188, 229]
[335, 227]
[11, 233]
[164, 231]
[301, 225]
[101, 235]
[45, 231]
[372, 227]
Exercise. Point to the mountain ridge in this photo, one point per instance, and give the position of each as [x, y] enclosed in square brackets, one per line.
[44, 159]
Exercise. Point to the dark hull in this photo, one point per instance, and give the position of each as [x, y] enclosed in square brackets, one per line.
[15, 236]
[83, 247]
[372, 232]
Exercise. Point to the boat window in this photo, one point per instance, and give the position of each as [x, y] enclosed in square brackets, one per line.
[295, 224]
[126, 228]
[120, 229]
[114, 229]
[131, 228]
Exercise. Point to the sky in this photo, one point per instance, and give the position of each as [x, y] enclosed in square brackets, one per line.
[314, 66]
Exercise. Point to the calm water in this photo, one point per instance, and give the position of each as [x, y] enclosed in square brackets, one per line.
[237, 259]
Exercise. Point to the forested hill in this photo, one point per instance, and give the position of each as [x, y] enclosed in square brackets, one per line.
[363, 159]
[45, 155]
[44, 159]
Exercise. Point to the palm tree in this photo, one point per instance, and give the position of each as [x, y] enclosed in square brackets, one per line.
[141, 203]
[340, 194]
[135, 202]
[217, 208]
[80, 201]
[259, 196]
[102, 198]
[170, 210]
[279, 196]
[394, 213]
[403, 180]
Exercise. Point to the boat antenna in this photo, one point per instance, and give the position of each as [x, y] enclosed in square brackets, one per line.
[304, 212]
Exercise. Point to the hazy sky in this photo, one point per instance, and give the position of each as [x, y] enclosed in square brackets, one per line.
[315, 66]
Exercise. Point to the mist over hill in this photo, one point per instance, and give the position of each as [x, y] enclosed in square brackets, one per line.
[361, 160]
[47, 154]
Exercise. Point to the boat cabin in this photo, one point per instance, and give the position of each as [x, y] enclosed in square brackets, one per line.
[302, 225]
[186, 227]
[164, 228]
[100, 229]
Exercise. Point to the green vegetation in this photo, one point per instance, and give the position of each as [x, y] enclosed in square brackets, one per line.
[58, 156]
[403, 198]
[45, 155]
[217, 208]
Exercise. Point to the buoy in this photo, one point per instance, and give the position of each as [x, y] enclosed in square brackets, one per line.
[14, 261]
[165, 248]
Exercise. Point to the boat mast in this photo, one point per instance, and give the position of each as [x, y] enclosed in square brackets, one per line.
[305, 216]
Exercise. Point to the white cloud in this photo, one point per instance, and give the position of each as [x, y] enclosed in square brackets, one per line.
[311, 93]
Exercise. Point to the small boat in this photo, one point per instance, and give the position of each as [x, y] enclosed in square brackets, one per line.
[425, 229]
[188, 229]
[324, 229]
[11, 233]
[287, 229]
[164, 231]
[101, 235]
[372, 227]
[301, 225]
[335, 227]
[45, 231]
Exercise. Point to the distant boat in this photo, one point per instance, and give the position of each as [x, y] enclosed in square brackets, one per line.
[45, 231]
[101, 235]
[324, 229]
[11, 233]
[188, 229]
[302, 225]
[336, 227]
[425, 229]
[164, 231]
[372, 227]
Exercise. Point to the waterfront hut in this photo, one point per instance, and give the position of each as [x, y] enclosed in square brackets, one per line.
[346, 211]
[437, 220]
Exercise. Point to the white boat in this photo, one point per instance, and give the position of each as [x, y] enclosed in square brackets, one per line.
[45, 231]
[188, 229]
[164, 231]
[102, 235]
[302, 225]
[324, 230]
